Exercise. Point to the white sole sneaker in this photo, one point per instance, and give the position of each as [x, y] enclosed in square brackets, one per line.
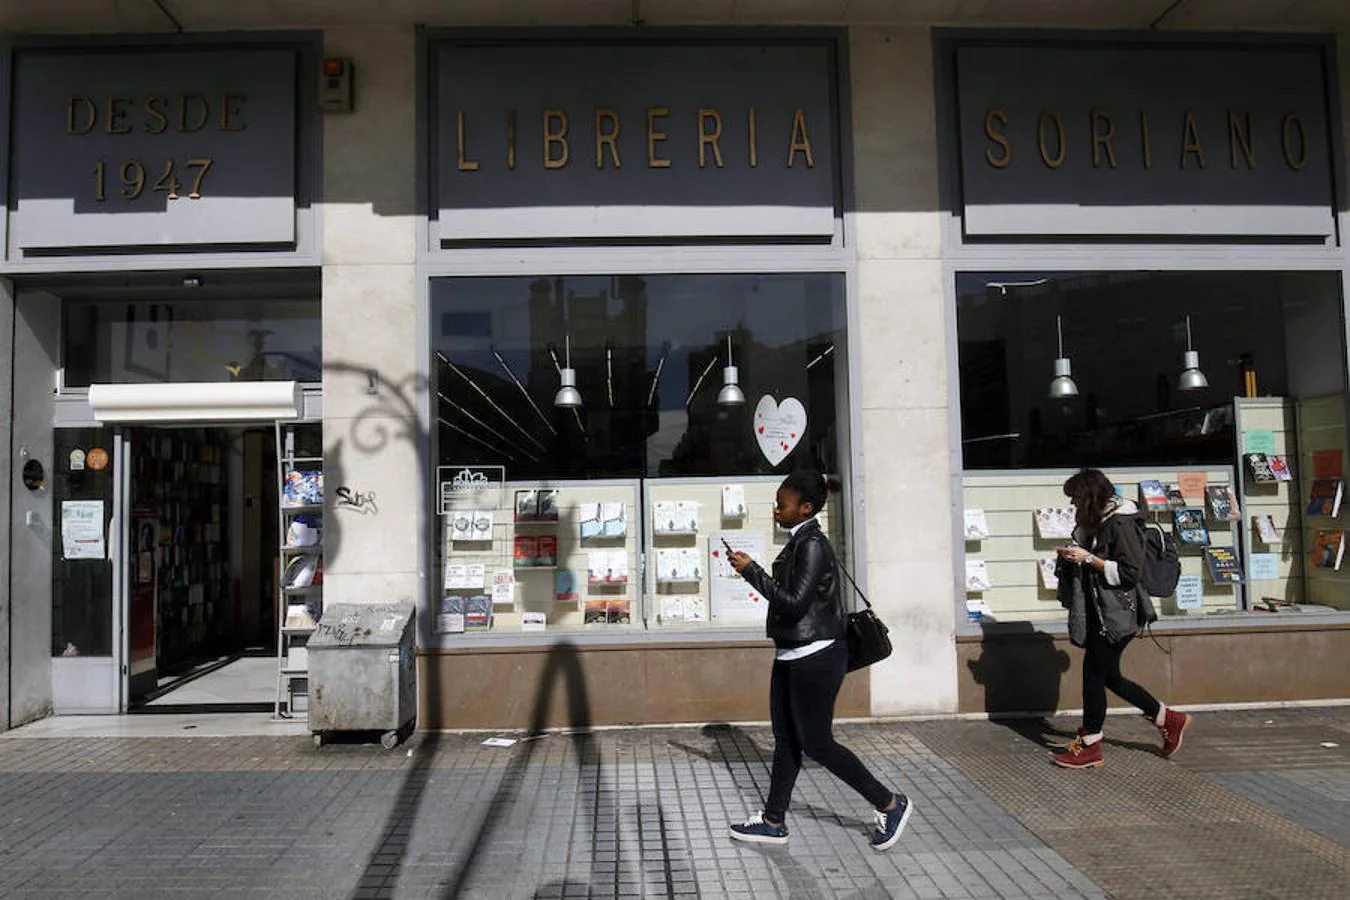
[757, 838]
[899, 830]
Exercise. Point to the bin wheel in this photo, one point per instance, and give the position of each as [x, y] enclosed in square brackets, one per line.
[389, 740]
[318, 739]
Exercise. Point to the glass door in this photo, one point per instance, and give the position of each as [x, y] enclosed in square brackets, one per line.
[87, 572]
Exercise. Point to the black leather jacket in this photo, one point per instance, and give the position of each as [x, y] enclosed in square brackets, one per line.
[803, 592]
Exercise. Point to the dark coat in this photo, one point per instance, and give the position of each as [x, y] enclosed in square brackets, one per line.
[1119, 539]
[803, 592]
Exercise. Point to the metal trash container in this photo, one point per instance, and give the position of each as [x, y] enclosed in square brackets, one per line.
[361, 672]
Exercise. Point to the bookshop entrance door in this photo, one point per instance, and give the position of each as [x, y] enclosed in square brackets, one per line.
[197, 579]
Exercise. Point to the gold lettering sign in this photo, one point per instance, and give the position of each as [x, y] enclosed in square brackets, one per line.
[555, 132]
[654, 137]
[1051, 117]
[607, 137]
[185, 113]
[707, 139]
[606, 131]
[1103, 127]
[1004, 156]
[800, 142]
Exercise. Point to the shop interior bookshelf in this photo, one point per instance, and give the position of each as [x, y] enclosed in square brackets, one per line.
[300, 562]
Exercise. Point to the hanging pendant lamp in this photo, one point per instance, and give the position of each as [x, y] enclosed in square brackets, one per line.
[1191, 378]
[731, 393]
[568, 397]
[1062, 385]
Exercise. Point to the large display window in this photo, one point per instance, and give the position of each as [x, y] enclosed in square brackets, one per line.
[598, 437]
[1214, 400]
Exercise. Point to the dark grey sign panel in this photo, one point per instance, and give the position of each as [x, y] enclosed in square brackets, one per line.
[153, 149]
[635, 141]
[1099, 140]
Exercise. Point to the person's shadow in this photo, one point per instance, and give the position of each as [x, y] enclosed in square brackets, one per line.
[1021, 671]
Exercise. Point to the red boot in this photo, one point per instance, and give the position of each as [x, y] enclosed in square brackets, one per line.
[1080, 755]
[1173, 726]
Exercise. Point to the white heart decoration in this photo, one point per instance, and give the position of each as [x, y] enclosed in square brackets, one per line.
[779, 427]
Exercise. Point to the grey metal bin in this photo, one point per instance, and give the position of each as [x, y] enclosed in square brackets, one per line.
[361, 672]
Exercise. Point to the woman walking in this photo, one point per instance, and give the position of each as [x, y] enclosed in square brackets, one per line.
[1101, 588]
[806, 623]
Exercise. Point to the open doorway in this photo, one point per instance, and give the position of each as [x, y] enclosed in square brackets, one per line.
[201, 558]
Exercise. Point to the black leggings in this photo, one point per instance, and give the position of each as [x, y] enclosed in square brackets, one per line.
[1101, 670]
[801, 703]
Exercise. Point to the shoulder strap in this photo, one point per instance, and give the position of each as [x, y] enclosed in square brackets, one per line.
[856, 589]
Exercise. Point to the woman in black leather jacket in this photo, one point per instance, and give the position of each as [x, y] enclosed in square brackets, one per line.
[806, 623]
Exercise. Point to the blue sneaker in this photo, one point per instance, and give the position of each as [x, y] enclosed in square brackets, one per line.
[756, 831]
[890, 824]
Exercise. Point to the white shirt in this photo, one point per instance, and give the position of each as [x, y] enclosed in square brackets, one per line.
[786, 654]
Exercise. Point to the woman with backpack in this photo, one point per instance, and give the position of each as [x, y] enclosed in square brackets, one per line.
[1100, 585]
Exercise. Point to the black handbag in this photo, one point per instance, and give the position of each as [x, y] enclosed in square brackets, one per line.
[866, 635]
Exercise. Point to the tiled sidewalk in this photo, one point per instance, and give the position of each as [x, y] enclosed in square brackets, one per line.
[644, 813]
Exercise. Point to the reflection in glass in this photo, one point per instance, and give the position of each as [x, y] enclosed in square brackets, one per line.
[1127, 335]
[108, 341]
[649, 354]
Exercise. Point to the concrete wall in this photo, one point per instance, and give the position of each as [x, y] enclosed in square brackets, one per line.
[902, 342]
[36, 336]
[372, 440]
[11, 478]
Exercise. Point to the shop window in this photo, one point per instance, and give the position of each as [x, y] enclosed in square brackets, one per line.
[1125, 335]
[109, 341]
[606, 507]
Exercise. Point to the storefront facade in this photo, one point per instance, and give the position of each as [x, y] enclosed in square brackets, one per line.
[871, 225]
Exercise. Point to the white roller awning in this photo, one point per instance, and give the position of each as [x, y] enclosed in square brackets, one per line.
[233, 401]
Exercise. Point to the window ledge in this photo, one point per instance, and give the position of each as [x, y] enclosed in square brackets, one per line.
[1317, 619]
[627, 639]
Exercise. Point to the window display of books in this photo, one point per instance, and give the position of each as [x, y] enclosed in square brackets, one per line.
[1222, 504]
[602, 520]
[675, 517]
[608, 611]
[472, 525]
[1325, 497]
[1265, 528]
[1328, 549]
[1189, 525]
[535, 551]
[683, 609]
[678, 565]
[1055, 522]
[607, 567]
[1222, 565]
[1153, 496]
[1257, 467]
[539, 505]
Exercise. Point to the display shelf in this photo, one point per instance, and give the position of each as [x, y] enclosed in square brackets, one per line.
[300, 478]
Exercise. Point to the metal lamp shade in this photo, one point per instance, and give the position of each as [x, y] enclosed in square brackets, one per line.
[568, 397]
[731, 393]
[1062, 385]
[1191, 379]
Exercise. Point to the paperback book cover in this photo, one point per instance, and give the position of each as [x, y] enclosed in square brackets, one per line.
[526, 549]
[1266, 530]
[1325, 498]
[1279, 467]
[977, 575]
[1258, 468]
[450, 616]
[527, 506]
[478, 611]
[1152, 495]
[547, 552]
[1222, 504]
[302, 488]
[977, 525]
[1328, 549]
[1047, 566]
[1055, 522]
[1222, 565]
[1189, 525]
[1175, 499]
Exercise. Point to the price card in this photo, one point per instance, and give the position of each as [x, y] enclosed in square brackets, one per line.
[1190, 592]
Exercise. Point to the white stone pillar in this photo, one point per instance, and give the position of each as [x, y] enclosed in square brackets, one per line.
[371, 395]
[902, 342]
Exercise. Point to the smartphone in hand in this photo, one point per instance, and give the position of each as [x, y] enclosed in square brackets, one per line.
[728, 546]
